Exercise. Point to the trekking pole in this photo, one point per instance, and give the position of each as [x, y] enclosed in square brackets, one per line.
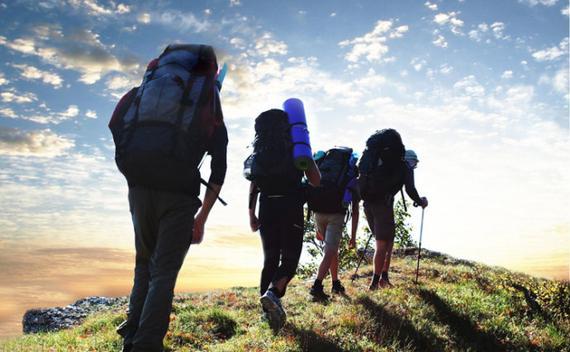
[362, 256]
[420, 246]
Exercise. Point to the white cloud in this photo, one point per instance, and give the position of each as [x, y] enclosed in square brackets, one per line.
[43, 143]
[430, 5]
[445, 69]
[235, 3]
[144, 18]
[560, 81]
[238, 43]
[469, 87]
[373, 45]
[266, 46]
[498, 30]
[92, 114]
[507, 74]
[450, 19]
[80, 50]
[72, 111]
[31, 72]
[418, 64]
[93, 8]
[3, 79]
[484, 30]
[181, 21]
[121, 83]
[552, 53]
[8, 112]
[122, 9]
[539, 2]
[333, 14]
[13, 96]
[565, 11]
[440, 41]
[45, 115]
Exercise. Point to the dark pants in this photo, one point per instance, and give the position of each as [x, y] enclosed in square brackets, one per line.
[163, 225]
[281, 231]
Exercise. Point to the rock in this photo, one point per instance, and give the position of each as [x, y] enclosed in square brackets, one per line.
[58, 318]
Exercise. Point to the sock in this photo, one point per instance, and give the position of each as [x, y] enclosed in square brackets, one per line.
[336, 282]
[385, 275]
[318, 283]
[375, 279]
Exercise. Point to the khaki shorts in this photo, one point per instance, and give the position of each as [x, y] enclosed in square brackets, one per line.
[331, 226]
[380, 218]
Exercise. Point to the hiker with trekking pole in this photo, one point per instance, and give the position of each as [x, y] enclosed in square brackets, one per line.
[162, 131]
[333, 203]
[385, 167]
[281, 157]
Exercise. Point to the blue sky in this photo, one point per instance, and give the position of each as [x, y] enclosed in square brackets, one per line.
[478, 88]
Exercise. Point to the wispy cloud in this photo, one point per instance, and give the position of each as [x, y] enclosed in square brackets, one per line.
[532, 3]
[451, 20]
[552, 53]
[80, 50]
[33, 73]
[43, 143]
[373, 46]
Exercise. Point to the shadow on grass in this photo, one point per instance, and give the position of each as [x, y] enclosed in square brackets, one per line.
[466, 331]
[393, 328]
[309, 340]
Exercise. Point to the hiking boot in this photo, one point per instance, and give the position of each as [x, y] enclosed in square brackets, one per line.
[318, 293]
[337, 287]
[373, 287]
[272, 306]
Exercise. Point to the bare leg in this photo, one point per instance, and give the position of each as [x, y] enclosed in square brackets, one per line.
[328, 259]
[388, 256]
[334, 266]
[380, 255]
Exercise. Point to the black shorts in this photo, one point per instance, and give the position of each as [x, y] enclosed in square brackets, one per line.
[380, 216]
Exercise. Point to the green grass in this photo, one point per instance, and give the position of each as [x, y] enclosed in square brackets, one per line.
[456, 307]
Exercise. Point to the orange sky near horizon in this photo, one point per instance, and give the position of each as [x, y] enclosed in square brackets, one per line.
[39, 276]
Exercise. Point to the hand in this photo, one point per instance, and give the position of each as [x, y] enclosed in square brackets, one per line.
[254, 223]
[198, 232]
[352, 243]
[424, 202]
[320, 236]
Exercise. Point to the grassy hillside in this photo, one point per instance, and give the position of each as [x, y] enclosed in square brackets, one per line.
[458, 306]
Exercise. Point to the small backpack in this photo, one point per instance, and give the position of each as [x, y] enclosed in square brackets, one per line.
[161, 128]
[382, 165]
[338, 168]
[271, 164]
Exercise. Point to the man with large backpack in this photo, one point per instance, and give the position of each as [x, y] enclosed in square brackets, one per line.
[277, 182]
[162, 130]
[332, 202]
[383, 173]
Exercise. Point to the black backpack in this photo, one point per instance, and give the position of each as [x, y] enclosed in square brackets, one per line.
[271, 165]
[162, 128]
[382, 165]
[336, 171]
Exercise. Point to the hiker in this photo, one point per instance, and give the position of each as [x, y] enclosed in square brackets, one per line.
[277, 182]
[162, 131]
[332, 202]
[383, 173]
